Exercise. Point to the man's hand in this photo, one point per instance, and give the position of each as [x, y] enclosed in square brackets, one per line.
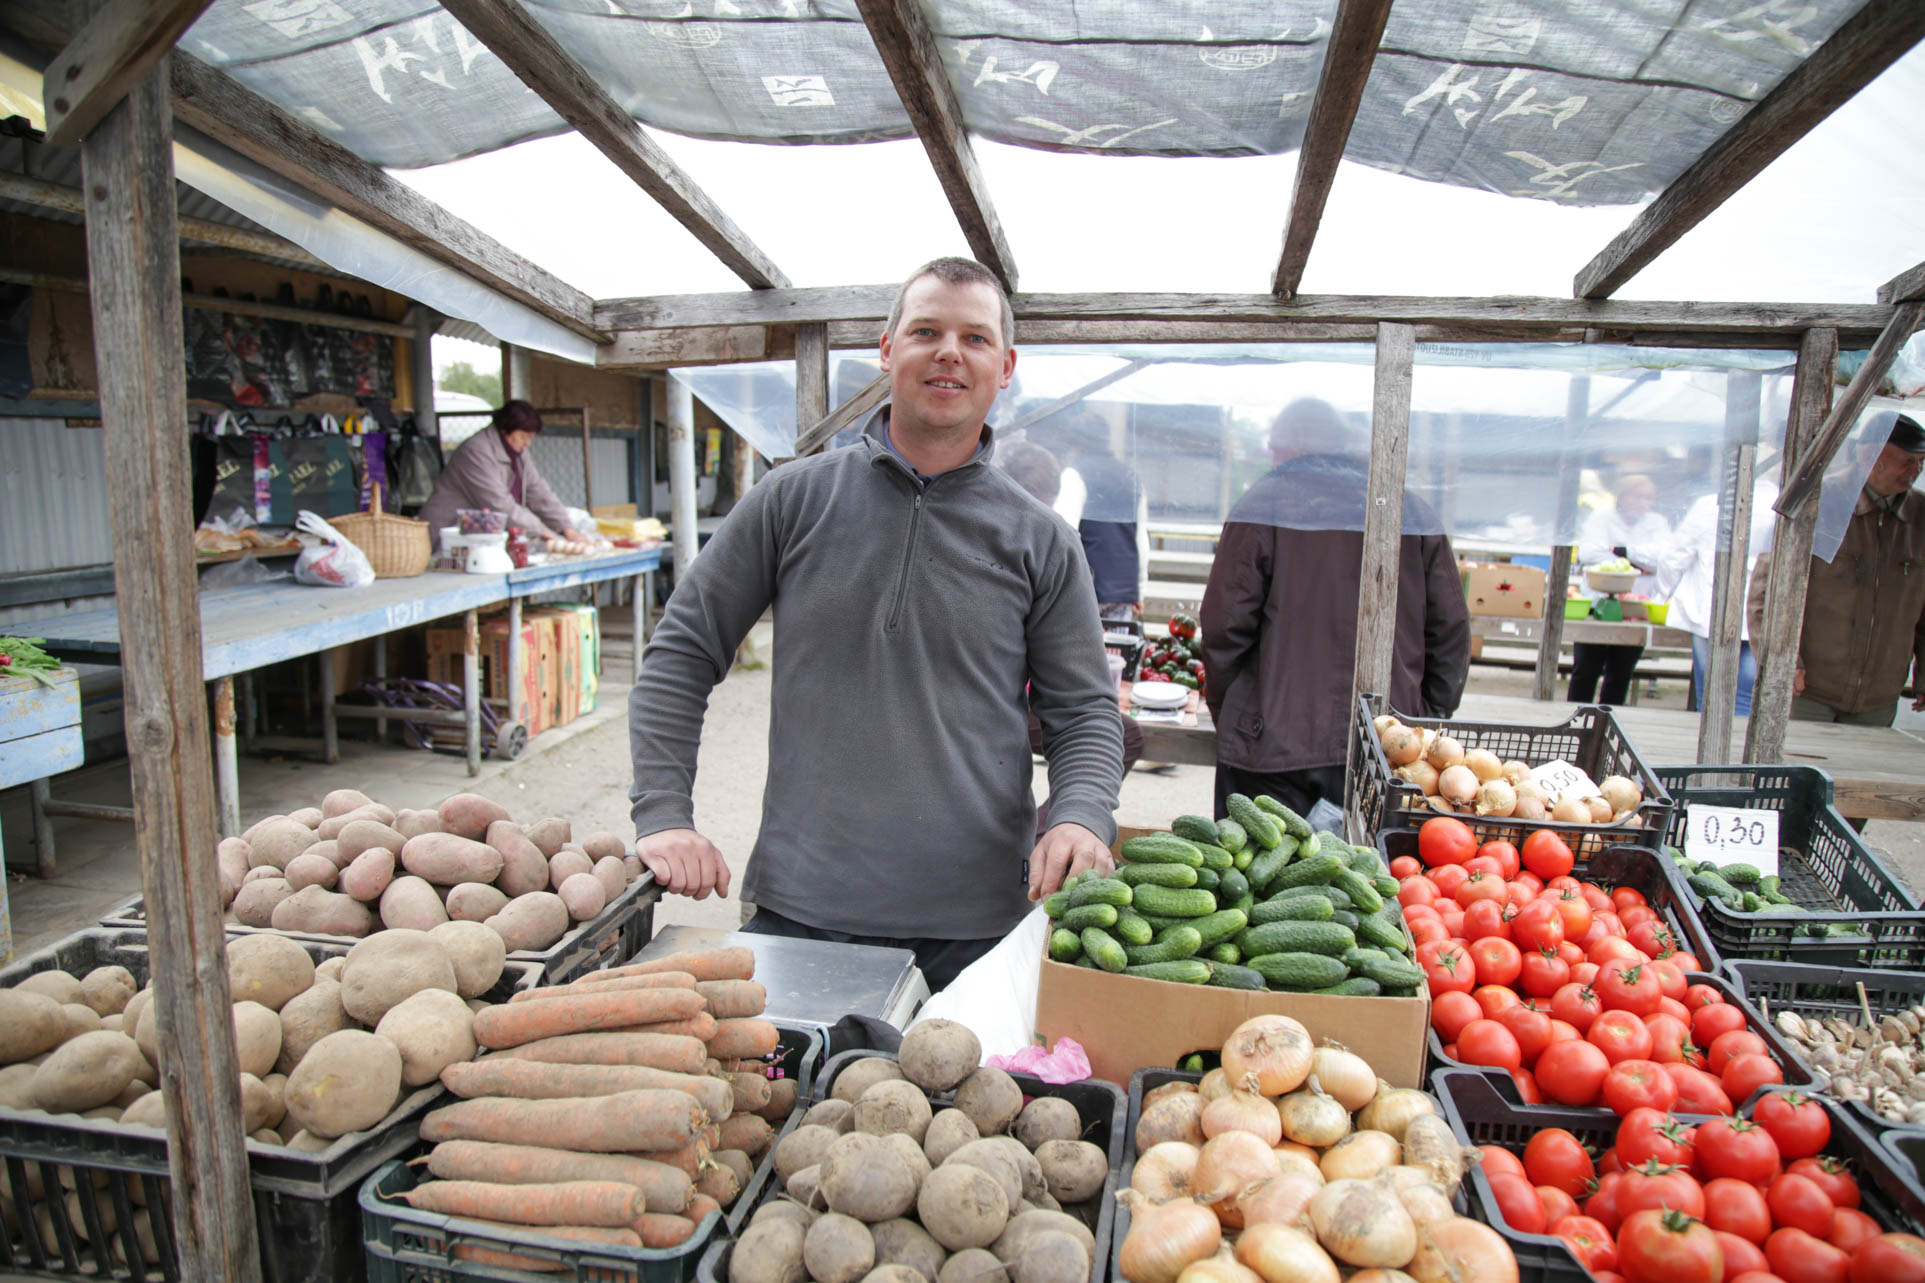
[1918, 704]
[1798, 682]
[684, 863]
[1066, 850]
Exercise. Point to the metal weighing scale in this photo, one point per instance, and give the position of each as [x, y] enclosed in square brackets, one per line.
[815, 982]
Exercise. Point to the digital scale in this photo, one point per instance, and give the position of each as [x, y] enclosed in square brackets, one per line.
[815, 982]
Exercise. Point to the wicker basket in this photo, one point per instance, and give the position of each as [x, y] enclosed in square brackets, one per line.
[397, 547]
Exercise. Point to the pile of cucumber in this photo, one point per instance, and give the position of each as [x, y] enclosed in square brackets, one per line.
[1252, 901]
[1744, 888]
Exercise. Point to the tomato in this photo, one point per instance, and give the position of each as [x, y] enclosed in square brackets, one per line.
[1738, 1208]
[1671, 982]
[1546, 854]
[1741, 1255]
[1832, 1176]
[1735, 1042]
[1799, 1203]
[1451, 914]
[1496, 959]
[1485, 1042]
[1621, 1036]
[1753, 1276]
[1498, 1159]
[1426, 930]
[1556, 1203]
[1628, 988]
[1698, 1091]
[1577, 1005]
[1538, 925]
[1561, 881]
[1635, 915]
[1517, 1203]
[1647, 1134]
[1798, 1123]
[1443, 840]
[1531, 1028]
[1595, 896]
[1602, 1205]
[1447, 878]
[1506, 856]
[1652, 935]
[1668, 1247]
[1450, 1011]
[1495, 999]
[1543, 973]
[1482, 886]
[1486, 920]
[1637, 1084]
[1485, 864]
[1625, 897]
[1527, 1089]
[1576, 912]
[1562, 1029]
[1738, 1148]
[1610, 948]
[1889, 1258]
[1526, 878]
[1684, 960]
[1589, 1242]
[1658, 1185]
[1851, 1227]
[1797, 1257]
[1696, 996]
[1414, 888]
[1406, 866]
[1521, 892]
[1556, 1158]
[1571, 1072]
[1672, 1007]
[1448, 970]
[1708, 1022]
[1745, 1074]
[1671, 1040]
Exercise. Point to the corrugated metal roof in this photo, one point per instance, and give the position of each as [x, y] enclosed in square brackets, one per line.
[53, 497]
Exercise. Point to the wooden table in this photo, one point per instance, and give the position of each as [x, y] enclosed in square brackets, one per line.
[1590, 631]
[39, 736]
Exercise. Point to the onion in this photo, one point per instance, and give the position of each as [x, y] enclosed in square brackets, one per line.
[1383, 722]
[1381, 1276]
[1484, 765]
[1426, 1203]
[1361, 1156]
[1243, 1111]
[1281, 1200]
[1623, 794]
[1630, 820]
[1230, 1164]
[1419, 773]
[1175, 1087]
[1299, 1159]
[1461, 1249]
[1516, 772]
[1496, 797]
[1282, 1254]
[1178, 1118]
[1345, 1075]
[1393, 1110]
[1457, 785]
[1312, 1116]
[1531, 788]
[1215, 1084]
[1165, 1171]
[1444, 751]
[1274, 1048]
[1221, 1268]
[1530, 808]
[1571, 810]
[1166, 1238]
[1600, 809]
[1363, 1223]
[1401, 745]
[1439, 804]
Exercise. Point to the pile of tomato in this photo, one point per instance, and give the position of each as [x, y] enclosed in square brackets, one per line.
[1729, 1200]
[1579, 993]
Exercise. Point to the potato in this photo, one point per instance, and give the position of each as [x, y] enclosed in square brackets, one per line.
[1022, 1228]
[332, 826]
[566, 864]
[863, 1176]
[341, 801]
[1035, 1189]
[547, 835]
[365, 835]
[863, 1074]
[307, 1018]
[973, 1265]
[837, 1115]
[433, 1029]
[997, 1161]
[254, 906]
[838, 1249]
[319, 911]
[584, 895]
[1051, 1256]
[231, 862]
[1073, 1169]
[256, 1103]
[803, 1147]
[991, 1098]
[78, 1018]
[347, 1082]
[369, 875]
[331, 969]
[631, 867]
[63, 987]
[149, 1111]
[448, 860]
[389, 967]
[257, 1038]
[962, 1207]
[305, 1140]
[308, 815]
[474, 902]
[267, 969]
[115, 1022]
[903, 1242]
[769, 1251]
[534, 921]
[608, 870]
[911, 1155]
[468, 815]
[278, 842]
[1048, 1118]
[936, 1055]
[263, 823]
[259, 872]
[311, 870]
[894, 1106]
[600, 846]
[476, 953]
[412, 903]
[948, 1132]
[132, 1092]
[16, 1086]
[523, 867]
[414, 823]
[276, 1085]
[85, 1072]
[329, 850]
[30, 1023]
[130, 1014]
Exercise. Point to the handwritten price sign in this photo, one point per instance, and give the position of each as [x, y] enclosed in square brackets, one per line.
[1732, 835]
[1561, 779]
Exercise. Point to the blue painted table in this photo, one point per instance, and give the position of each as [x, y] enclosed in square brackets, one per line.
[39, 736]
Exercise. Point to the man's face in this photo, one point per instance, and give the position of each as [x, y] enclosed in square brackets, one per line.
[1894, 470]
[1636, 500]
[947, 358]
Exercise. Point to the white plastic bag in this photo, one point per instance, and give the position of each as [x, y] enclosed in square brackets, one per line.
[996, 994]
[332, 563]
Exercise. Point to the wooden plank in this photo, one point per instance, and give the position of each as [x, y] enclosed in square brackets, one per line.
[1720, 701]
[1384, 512]
[811, 373]
[237, 117]
[528, 50]
[1802, 484]
[134, 260]
[1347, 58]
[1550, 642]
[1872, 39]
[818, 436]
[908, 49]
[46, 195]
[28, 708]
[1906, 287]
[119, 44]
[1074, 396]
[40, 754]
[1789, 570]
[654, 349]
[218, 303]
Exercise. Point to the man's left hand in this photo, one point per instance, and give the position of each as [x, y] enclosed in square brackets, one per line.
[1066, 850]
[1918, 705]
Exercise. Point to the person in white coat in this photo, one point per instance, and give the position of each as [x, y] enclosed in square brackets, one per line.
[1684, 575]
[1635, 531]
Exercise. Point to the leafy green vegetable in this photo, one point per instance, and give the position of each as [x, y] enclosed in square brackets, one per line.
[22, 657]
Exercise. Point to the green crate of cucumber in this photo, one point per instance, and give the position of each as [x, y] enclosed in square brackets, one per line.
[1254, 900]
[1744, 888]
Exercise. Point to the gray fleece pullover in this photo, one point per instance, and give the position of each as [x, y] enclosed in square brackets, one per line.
[909, 616]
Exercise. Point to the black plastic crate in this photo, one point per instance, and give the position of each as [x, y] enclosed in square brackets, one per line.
[619, 932]
[1124, 637]
[1589, 739]
[306, 1219]
[1823, 866]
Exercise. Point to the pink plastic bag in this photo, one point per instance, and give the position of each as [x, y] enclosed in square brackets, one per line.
[1068, 1063]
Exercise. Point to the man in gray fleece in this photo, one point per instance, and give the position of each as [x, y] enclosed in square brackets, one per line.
[918, 594]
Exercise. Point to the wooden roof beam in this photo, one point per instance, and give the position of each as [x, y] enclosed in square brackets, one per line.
[1802, 484]
[528, 50]
[1874, 38]
[70, 200]
[1347, 59]
[106, 58]
[908, 50]
[1906, 287]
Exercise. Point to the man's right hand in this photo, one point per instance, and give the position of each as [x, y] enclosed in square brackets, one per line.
[684, 863]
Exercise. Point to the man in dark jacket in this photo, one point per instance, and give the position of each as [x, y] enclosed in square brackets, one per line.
[1280, 616]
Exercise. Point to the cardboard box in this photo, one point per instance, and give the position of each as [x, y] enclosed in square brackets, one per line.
[1516, 592]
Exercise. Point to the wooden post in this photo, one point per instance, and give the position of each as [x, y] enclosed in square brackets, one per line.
[134, 262]
[517, 366]
[471, 690]
[1728, 569]
[1790, 567]
[811, 375]
[1550, 637]
[227, 765]
[645, 452]
[1383, 511]
[421, 370]
[681, 474]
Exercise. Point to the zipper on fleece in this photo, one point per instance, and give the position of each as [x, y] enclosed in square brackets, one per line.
[908, 556]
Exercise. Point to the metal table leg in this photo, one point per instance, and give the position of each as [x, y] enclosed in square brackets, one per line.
[39, 792]
[227, 766]
[381, 671]
[517, 664]
[471, 687]
[330, 729]
[644, 588]
[250, 712]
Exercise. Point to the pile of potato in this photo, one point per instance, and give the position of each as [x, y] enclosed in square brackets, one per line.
[352, 866]
[883, 1186]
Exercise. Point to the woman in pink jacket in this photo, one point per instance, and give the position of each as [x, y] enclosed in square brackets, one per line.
[494, 470]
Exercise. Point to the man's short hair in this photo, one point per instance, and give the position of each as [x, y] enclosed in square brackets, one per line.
[1034, 469]
[956, 271]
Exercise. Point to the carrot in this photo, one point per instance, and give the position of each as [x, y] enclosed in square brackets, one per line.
[719, 1183]
[782, 1094]
[734, 999]
[749, 1133]
[661, 980]
[606, 1203]
[735, 963]
[506, 1075]
[664, 1188]
[510, 1025]
[740, 1039]
[541, 1264]
[661, 1230]
[625, 1122]
[688, 1159]
[671, 1052]
[700, 1025]
[700, 1205]
[751, 1093]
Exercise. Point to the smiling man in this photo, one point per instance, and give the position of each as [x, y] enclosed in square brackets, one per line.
[923, 604]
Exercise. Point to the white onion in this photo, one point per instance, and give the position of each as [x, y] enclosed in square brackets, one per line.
[1530, 808]
[1623, 794]
[1276, 1049]
[1221, 1268]
[1243, 1111]
[1496, 797]
[1230, 1164]
[1313, 1117]
[1516, 772]
[1571, 810]
[1444, 751]
[1166, 1238]
[1421, 774]
[1364, 1223]
[1600, 809]
[1484, 764]
[1457, 785]
[1283, 1254]
[1345, 1075]
[1401, 745]
[1165, 1171]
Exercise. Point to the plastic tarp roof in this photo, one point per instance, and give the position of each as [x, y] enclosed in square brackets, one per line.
[1585, 102]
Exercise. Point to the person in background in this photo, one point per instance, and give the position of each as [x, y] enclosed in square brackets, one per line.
[1685, 571]
[494, 470]
[1631, 530]
[1104, 503]
[1280, 616]
[1864, 625]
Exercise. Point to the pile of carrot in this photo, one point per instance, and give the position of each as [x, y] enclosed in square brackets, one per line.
[619, 1109]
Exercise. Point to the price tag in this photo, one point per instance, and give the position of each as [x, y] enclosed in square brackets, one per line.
[1732, 835]
[1560, 779]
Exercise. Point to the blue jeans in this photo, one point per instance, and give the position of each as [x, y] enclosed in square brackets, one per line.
[1747, 671]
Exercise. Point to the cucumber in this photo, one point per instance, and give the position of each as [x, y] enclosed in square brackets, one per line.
[1089, 915]
[1377, 930]
[1387, 886]
[1296, 937]
[1195, 828]
[1231, 836]
[1057, 905]
[1185, 971]
[1231, 886]
[1710, 886]
[1132, 928]
[1293, 908]
[1338, 897]
[1345, 918]
[1293, 824]
[1222, 925]
[1264, 868]
[1170, 903]
[1243, 903]
[1753, 902]
[1182, 942]
[1741, 875]
[1226, 953]
[1263, 830]
[1162, 848]
[1392, 971]
[1355, 987]
[1163, 875]
[1318, 868]
[1065, 946]
[1312, 845]
[1768, 886]
[1208, 879]
[1215, 857]
[1242, 859]
[1100, 891]
[1300, 971]
[1103, 950]
[1228, 975]
[1160, 924]
[1366, 861]
[1358, 888]
[1354, 957]
[1084, 960]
